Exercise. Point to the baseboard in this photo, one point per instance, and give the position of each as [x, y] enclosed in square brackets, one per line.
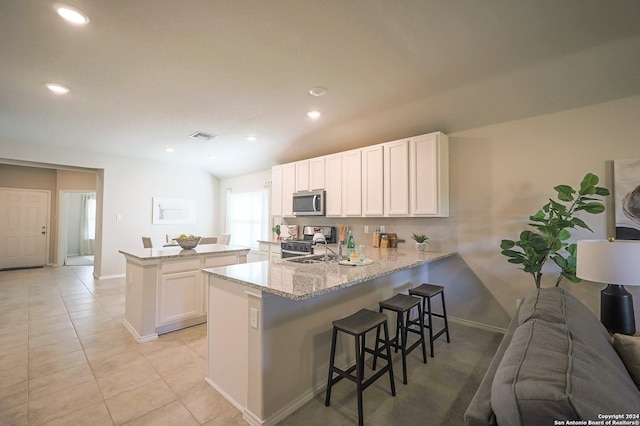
[478, 325]
[252, 419]
[108, 277]
[289, 409]
[225, 395]
[178, 325]
[134, 333]
[282, 414]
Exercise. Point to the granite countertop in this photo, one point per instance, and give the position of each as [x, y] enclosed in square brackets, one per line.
[299, 281]
[177, 252]
[270, 241]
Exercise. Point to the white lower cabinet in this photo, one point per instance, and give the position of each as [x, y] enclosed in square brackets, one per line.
[182, 290]
[269, 250]
[275, 252]
[181, 297]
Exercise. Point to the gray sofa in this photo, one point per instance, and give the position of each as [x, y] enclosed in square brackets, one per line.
[556, 362]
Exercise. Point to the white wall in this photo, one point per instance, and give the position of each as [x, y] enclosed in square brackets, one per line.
[126, 187]
[503, 173]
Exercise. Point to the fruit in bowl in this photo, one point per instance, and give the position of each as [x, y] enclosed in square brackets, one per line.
[188, 242]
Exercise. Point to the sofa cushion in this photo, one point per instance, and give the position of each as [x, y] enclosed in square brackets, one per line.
[548, 373]
[557, 305]
[628, 347]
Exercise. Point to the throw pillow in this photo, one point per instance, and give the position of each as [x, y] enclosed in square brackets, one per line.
[628, 348]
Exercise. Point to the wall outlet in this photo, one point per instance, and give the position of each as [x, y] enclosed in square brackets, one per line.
[253, 318]
[366, 229]
[383, 228]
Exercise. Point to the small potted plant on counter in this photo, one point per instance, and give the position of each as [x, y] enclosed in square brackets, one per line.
[276, 229]
[421, 241]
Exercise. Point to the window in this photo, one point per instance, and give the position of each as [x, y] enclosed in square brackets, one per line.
[247, 217]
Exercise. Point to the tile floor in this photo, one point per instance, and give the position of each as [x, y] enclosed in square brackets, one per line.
[65, 359]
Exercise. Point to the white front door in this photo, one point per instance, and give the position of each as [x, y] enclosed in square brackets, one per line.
[24, 215]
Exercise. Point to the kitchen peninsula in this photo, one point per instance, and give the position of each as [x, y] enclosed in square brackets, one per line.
[269, 328]
[166, 289]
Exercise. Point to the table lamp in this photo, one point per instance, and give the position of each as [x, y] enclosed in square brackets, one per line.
[616, 263]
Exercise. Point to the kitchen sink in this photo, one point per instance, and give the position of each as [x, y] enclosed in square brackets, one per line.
[318, 258]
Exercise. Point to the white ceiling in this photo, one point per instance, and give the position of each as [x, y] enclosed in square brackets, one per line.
[144, 74]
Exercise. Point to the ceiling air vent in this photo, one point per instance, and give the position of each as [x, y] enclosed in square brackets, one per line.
[203, 136]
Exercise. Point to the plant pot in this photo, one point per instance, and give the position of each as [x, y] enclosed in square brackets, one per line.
[421, 246]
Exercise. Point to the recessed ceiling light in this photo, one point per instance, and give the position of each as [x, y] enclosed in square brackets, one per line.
[314, 114]
[251, 138]
[169, 149]
[317, 91]
[57, 88]
[71, 14]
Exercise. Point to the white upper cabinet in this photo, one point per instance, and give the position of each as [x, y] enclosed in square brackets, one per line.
[302, 175]
[288, 188]
[352, 183]
[276, 191]
[372, 181]
[333, 184]
[316, 173]
[396, 178]
[429, 175]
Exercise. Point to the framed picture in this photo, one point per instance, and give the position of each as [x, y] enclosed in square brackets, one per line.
[170, 211]
[626, 177]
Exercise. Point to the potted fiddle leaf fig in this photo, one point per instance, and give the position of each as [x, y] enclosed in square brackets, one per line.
[421, 241]
[551, 226]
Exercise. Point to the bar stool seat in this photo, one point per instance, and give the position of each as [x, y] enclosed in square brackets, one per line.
[402, 304]
[426, 292]
[357, 325]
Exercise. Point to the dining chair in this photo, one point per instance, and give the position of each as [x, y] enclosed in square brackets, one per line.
[224, 239]
[208, 240]
[146, 242]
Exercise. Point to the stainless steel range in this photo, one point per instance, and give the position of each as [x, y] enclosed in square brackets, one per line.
[304, 246]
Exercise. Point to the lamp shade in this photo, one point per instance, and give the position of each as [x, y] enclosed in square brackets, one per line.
[610, 262]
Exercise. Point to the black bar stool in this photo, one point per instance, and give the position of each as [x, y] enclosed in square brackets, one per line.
[427, 291]
[402, 304]
[358, 325]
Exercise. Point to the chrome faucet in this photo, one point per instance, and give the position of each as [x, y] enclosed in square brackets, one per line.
[319, 238]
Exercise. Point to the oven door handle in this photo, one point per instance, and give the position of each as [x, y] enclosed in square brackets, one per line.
[295, 253]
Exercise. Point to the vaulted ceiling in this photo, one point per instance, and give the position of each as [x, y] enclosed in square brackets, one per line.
[145, 74]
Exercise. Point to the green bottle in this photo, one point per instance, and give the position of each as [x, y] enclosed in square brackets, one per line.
[351, 247]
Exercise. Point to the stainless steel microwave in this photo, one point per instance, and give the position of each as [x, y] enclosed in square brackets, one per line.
[310, 203]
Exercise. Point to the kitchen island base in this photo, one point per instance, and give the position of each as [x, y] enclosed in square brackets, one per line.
[166, 289]
[269, 355]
